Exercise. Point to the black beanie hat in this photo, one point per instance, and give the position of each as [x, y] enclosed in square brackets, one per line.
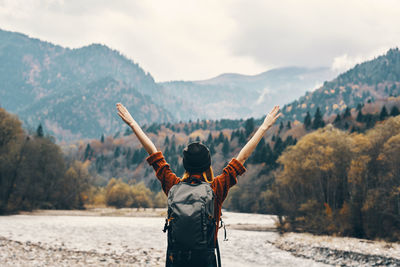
[196, 158]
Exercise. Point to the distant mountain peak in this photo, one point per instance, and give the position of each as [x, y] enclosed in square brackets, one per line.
[234, 77]
[47, 83]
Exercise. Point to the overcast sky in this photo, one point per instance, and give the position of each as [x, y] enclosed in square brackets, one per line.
[193, 40]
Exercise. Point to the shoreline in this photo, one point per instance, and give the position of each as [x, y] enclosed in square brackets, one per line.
[101, 211]
[342, 251]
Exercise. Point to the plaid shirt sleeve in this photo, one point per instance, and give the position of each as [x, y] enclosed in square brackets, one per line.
[227, 179]
[163, 172]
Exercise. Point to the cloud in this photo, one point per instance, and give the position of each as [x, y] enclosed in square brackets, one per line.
[266, 91]
[169, 39]
[195, 40]
[345, 62]
[313, 33]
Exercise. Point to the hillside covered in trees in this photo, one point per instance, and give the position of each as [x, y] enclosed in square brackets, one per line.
[345, 184]
[369, 81]
[72, 92]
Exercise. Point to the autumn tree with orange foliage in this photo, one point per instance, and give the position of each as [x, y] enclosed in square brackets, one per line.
[333, 182]
[120, 195]
[33, 172]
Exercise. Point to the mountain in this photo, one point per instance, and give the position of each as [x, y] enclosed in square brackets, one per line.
[73, 91]
[237, 96]
[373, 80]
[91, 111]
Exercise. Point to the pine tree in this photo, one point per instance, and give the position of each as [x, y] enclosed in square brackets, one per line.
[136, 156]
[186, 129]
[209, 139]
[220, 138]
[360, 117]
[173, 145]
[249, 126]
[281, 126]
[259, 152]
[394, 111]
[347, 113]
[318, 122]
[337, 119]
[307, 121]
[212, 149]
[289, 141]
[384, 114]
[102, 139]
[204, 127]
[279, 146]
[233, 134]
[289, 125]
[269, 158]
[39, 131]
[128, 131]
[242, 138]
[166, 141]
[88, 152]
[117, 152]
[226, 147]
[370, 121]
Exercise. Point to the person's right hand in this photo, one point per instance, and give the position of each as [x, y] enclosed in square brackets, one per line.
[124, 114]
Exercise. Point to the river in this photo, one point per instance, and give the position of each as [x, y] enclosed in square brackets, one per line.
[143, 235]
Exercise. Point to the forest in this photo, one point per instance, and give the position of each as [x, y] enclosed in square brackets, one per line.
[336, 176]
[344, 184]
[34, 173]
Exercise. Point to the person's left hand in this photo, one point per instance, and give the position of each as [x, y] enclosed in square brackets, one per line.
[271, 117]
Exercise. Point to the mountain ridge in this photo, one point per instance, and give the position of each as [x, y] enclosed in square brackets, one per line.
[38, 78]
[378, 78]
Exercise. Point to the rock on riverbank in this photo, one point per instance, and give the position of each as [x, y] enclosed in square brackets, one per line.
[340, 251]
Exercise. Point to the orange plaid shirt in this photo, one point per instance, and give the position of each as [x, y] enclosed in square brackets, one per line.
[220, 185]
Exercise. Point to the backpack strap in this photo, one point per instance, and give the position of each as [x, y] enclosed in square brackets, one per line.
[218, 254]
[223, 225]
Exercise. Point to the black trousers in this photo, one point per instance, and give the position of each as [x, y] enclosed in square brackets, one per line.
[193, 258]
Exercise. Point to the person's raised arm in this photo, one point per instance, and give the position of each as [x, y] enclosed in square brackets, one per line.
[269, 120]
[144, 140]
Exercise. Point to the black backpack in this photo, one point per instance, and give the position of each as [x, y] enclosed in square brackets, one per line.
[190, 223]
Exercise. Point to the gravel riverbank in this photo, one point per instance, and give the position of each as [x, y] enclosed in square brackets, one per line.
[16, 253]
[127, 237]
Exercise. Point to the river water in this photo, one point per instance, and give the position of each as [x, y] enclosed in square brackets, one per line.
[118, 234]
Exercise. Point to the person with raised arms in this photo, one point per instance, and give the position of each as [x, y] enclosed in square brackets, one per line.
[195, 200]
